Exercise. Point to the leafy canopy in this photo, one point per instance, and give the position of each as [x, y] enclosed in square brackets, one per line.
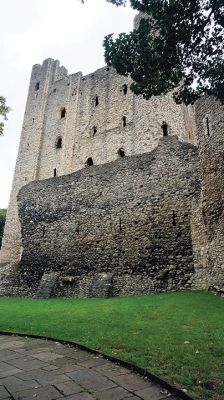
[179, 47]
[4, 109]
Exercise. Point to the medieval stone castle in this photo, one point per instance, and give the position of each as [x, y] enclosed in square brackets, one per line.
[113, 194]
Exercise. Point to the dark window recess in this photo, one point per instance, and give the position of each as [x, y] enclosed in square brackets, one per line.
[55, 90]
[165, 129]
[55, 172]
[63, 112]
[96, 101]
[124, 120]
[121, 153]
[37, 86]
[120, 225]
[59, 143]
[174, 219]
[208, 127]
[44, 231]
[107, 69]
[94, 130]
[125, 88]
[89, 162]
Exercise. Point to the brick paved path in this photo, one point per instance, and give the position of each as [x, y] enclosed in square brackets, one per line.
[44, 370]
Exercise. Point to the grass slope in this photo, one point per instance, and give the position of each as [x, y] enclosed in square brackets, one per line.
[178, 336]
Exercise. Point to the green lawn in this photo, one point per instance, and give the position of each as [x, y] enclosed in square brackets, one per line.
[178, 336]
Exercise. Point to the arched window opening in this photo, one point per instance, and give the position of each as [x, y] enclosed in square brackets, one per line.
[124, 121]
[55, 172]
[125, 88]
[96, 101]
[208, 127]
[59, 143]
[37, 86]
[165, 129]
[94, 130]
[121, 152]
[63, 112]
[89, 162]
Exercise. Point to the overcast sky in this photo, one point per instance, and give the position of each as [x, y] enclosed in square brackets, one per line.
[33, 30]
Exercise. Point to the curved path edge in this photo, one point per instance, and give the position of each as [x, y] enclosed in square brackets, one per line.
[133, 367]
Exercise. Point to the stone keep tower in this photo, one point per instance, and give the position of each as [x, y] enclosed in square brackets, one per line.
[74, 121]
[26, 169]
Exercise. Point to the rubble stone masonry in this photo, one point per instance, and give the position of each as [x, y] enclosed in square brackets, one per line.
[128, 219]
[210, 132]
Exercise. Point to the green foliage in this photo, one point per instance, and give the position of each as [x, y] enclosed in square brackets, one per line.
[2, 223]
[178, 336]
[178, 47]
[4, 110]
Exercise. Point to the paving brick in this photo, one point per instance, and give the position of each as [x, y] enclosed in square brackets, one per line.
[8, 355]
[46, 356]
[91, 380]
[43, 377]
[93, 362]
[26, 364]
[80, 396]
[68, 388]
[42, 393]
[152, 393]
[116, 393]
[132, 382]
[111, 370]
[62, 362]
[14, 384]
[50, 368]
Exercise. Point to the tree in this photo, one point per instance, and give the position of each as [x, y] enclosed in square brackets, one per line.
[4, 109]
[2, 223]
[178, 47]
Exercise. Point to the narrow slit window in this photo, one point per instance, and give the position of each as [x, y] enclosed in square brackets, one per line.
[94, 130]
[96, 101]
[55, 172]
[174, 219]
[37, 86]
[63, 112]
[124, 121]
[121, 153]
[59, 143]
[125, 89]
[208, 126]
[89, 162]
[165, 129]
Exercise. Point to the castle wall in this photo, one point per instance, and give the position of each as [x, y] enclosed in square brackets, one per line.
[38, 156]
[129, 219]
[210, 126]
